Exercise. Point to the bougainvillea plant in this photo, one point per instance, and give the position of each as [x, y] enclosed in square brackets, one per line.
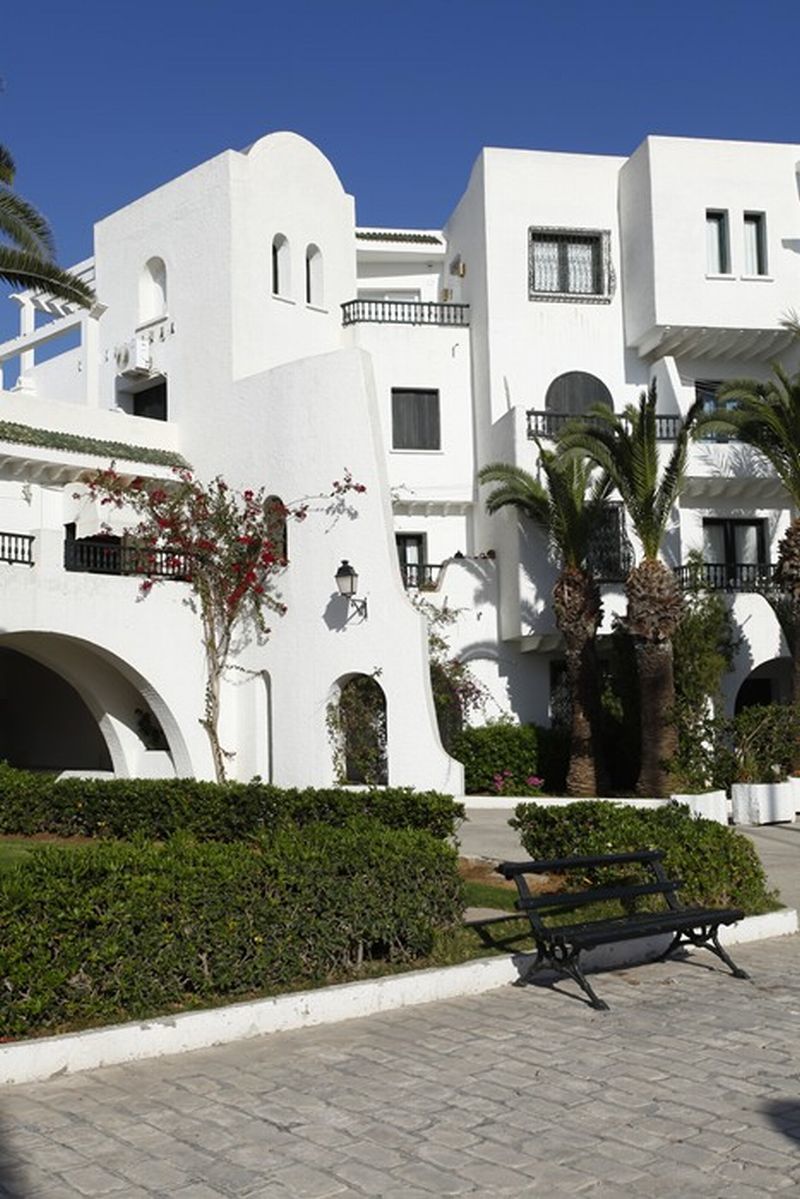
[228, 545]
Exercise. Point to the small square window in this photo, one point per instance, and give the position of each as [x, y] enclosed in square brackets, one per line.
[755, 243]
[718, 258]
[415, 420]
[569, 264]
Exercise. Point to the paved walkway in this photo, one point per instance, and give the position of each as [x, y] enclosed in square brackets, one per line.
[689, 1086]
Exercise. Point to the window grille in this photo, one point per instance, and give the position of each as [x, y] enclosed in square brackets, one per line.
[569, 263]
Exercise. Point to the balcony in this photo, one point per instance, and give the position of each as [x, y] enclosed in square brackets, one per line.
[16, 548]
[420, 576]
[111, 558]
[403, 312]
[549, 425]
[727, 576]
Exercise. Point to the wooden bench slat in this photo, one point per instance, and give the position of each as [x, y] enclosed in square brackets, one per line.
[556, 899]
[556, 865]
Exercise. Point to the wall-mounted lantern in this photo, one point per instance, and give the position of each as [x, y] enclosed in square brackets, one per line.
[347, 583]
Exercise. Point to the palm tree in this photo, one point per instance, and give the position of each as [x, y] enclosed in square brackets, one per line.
[766, 416]
[566, 507]
[27, 254]
[625, 446]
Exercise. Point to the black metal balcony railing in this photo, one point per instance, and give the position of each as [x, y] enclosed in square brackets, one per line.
[97, 558]
[549, 425]
[421, 575]
[403, 312]
[727, 576]
[16, 548]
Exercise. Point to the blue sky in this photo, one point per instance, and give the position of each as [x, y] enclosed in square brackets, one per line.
[106, 99]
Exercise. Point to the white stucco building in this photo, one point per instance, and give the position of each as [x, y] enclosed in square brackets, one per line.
[247, 324]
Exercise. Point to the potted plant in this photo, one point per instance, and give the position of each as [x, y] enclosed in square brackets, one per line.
[761, 792]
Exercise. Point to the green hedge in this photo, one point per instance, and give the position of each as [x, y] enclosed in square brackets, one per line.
[159, 808]
[51, 438]
[498, 759]
[716, 865]
[109, 932]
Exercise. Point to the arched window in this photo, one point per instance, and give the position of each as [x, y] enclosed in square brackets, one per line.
[281, 274]
[574, 393]
[314, 291]
[359, 723]
[276, 522]
[152, 291]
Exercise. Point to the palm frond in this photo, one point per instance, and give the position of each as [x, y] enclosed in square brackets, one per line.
[22, 269]
[7, 167]
[22, 225]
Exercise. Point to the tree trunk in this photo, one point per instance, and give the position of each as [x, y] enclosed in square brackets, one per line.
[657, 700]
[578, 611]
[581, 776]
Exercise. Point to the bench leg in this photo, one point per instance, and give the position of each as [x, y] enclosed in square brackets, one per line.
[705, 938]
[565, 962]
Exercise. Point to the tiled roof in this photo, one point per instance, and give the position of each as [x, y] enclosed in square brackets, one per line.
[427, 239]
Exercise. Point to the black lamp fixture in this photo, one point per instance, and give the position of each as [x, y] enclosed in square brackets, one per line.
[347, 582]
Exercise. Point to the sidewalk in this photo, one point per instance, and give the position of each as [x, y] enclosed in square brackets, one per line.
[687, 1088]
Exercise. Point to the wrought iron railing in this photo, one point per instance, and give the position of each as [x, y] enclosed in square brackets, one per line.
[110, 559]
[17, 548]
[549, 425]
[727, 576]
[403, 312]
[421, 575]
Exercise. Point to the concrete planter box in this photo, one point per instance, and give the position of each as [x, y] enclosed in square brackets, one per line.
[711, 805]
[763, 803]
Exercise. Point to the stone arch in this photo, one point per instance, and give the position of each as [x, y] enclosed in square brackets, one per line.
[315, 293]
[278, 526]
[281, 266]
[359, 726]
[152, 290]
[575, 392]
[768, 683]
[132, 718]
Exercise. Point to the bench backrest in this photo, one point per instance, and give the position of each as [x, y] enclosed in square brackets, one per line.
[552, 903]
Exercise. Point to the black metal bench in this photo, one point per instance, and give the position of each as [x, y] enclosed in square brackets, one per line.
[559, 946]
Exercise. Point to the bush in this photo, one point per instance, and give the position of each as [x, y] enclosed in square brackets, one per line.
[111, 932]
[499, 759]
[763, 741]
[159, 808]
[718, 866]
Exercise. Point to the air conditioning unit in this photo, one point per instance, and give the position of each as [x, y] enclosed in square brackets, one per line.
[133, 358]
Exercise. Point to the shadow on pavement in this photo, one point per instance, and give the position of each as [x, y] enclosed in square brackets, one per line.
[785, 1116]
[13, 1173]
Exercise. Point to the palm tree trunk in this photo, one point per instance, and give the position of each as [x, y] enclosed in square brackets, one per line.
[578, 611]
[581, 776]
[657, 701]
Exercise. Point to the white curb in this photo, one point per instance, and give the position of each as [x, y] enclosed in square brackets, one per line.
[49, 1057]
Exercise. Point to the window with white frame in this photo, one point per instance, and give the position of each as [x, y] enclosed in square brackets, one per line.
[755, 243]
[569, 264]
[718, 258]
[415, 419]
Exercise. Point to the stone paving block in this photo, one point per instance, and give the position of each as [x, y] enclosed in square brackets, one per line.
[94, 1180]
[306, 1183]
[434, 1181]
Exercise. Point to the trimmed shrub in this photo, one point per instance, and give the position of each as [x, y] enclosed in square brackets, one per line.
[499, 759]
[159, 808]
[111, 932]
[717, 866]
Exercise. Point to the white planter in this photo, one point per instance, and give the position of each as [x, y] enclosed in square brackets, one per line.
[711, 805]
[762, 803]
[794, 783]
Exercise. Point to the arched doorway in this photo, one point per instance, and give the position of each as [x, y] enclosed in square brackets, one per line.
[357, 722]
[574, 393]
[769, 683]
[44, 723]
[68, 704]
